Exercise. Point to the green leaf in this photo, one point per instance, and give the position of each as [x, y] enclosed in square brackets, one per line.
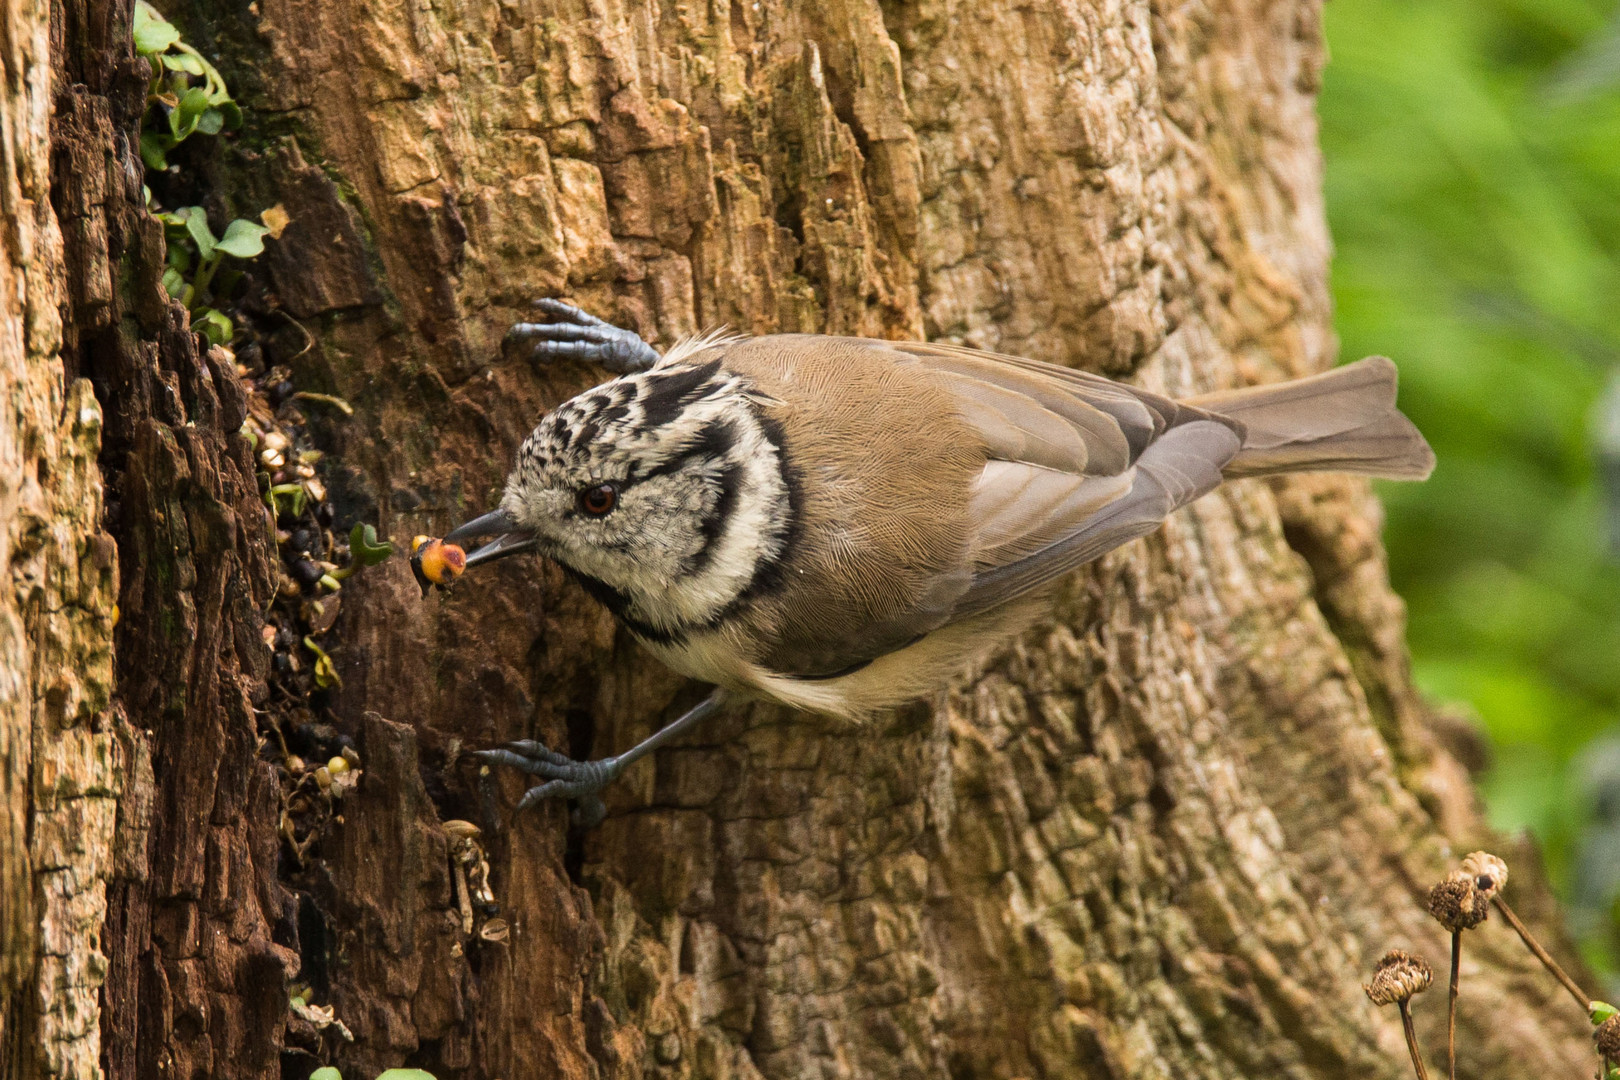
[363, 546]
[211, 122]
[186, 62]
[153, 33]
[243, 238]
[174, 281]
[1600, 1011]
[231, 112]
[404, 1074]
[216, 327]
[178, 256]
[183, 120]
[326, 1072]
[193, 102]
[153, 151]
[197, 226]
[216, 83]
[295, 497]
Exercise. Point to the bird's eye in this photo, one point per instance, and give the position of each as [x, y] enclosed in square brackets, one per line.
[600, 500]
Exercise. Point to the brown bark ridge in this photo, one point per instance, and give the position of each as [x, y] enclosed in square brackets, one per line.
[1165, 833]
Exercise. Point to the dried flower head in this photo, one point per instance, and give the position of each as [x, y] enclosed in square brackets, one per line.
[1487, 872]
[1608, 1038]
[1458, 904]
[1397, 977]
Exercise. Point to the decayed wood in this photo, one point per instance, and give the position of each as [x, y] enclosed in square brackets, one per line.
[164, 958]
[59, 762]
[1166, 833]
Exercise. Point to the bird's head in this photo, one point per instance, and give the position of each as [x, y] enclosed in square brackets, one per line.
[662, 492]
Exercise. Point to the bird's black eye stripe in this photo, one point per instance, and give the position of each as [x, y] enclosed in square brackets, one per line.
[715, 441]
[598, 500]
[668, 394]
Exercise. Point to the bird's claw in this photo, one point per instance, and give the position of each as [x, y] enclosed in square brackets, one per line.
[577, 335]
[579, 781]
[583, 781]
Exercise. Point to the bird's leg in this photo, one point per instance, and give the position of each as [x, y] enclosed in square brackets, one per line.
[583, 781]
[575, 335]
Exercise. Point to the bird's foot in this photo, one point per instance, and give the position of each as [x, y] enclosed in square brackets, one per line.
[583, 781]
[565, 778]
[573, 334]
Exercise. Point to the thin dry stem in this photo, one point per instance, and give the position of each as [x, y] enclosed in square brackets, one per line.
[1546, 959]
[1411, 1041]
[1451, 1005]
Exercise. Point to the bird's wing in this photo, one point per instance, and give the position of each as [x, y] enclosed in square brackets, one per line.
[1078, 465]
[951, 481]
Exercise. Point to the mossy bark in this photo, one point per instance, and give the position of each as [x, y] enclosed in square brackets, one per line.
[1165, 833]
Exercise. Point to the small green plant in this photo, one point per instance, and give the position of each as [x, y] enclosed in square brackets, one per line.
[329, 1073]
[364, 550]
[195, 256]
[188, 96]
[326, 675]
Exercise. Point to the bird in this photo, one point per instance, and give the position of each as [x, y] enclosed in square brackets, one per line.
[842, 524]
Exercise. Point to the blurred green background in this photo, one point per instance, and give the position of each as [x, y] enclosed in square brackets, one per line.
[1473, 187]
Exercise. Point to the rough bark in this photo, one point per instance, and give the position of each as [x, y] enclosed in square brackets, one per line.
[1165, 833]
[137, 911]
[58, 757]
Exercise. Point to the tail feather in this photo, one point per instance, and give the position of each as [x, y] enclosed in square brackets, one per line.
[1344, 420]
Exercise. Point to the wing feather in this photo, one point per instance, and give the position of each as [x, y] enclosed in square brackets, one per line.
[1016, 428]
[1140, 415]
[1040, 509]
[1182, 464]
[1020, 508]
[1044, 469]
[1107, 448]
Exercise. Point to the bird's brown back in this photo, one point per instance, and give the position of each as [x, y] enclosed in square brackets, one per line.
[881, 465]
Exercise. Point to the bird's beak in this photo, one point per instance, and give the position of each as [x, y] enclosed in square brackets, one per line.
[507, 537]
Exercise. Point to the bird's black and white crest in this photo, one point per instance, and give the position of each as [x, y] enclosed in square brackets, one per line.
[701, 507]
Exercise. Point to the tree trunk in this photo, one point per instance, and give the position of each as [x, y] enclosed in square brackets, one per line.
[1166, 833]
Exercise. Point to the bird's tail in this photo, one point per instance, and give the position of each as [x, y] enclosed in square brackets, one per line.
[1342, 420]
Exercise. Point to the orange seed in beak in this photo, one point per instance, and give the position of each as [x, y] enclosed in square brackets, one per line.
[435, 562]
